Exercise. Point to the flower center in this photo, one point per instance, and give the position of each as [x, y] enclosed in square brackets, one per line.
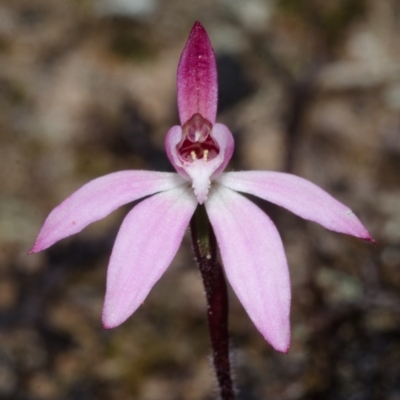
[197, 142]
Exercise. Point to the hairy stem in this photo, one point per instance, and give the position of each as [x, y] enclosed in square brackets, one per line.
[205, 249]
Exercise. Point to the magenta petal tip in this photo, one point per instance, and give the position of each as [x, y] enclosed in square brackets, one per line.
[283, 348]
[36, 247]
[105, 326]
[31, 251]
[370, 239]
[108, 324]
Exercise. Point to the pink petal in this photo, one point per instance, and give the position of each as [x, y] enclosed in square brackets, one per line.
[197, 77]
[224, 138]
[172, 139]
[299, 196]
[254, 261]
[97, 199]
[201, 172]
[145, 246]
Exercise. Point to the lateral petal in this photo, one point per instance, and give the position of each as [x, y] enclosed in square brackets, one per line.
[173, 137]
[147, 241]
[224, 138]
[254, 261]
[98, 198]
[197, 77]
[299, 196]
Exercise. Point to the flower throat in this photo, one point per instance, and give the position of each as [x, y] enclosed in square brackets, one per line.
[197, 142]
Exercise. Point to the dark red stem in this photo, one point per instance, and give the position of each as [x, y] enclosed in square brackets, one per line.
[205, 249]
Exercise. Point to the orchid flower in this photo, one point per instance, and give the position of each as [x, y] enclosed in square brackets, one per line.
[200, 148]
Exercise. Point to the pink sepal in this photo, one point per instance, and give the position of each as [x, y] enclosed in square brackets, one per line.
[299, 196]
[254, 261]
[147, 242]
[97, 199]
[197, 77]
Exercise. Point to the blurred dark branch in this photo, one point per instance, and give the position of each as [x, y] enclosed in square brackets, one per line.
[299, 92]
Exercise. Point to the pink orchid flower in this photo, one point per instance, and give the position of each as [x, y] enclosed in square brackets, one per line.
[251, 249]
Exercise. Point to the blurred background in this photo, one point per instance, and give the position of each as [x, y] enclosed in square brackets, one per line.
[310, 87]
